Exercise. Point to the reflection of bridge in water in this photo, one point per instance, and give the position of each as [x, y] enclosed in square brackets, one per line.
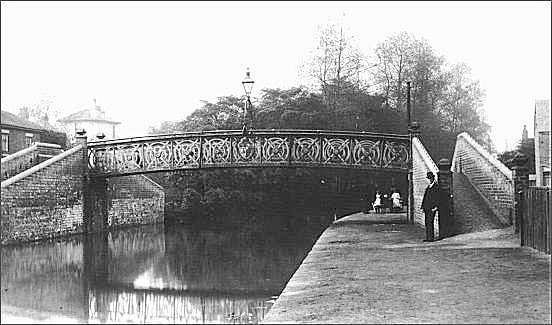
[128, 304]
[151, 274]
[258, 148]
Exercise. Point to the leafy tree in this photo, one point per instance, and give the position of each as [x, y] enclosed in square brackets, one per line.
[445, 100]
[527, 148]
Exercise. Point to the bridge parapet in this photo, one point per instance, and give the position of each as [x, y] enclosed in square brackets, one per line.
[28, 157]
[258, 148]
[421, 164]
[491, 178]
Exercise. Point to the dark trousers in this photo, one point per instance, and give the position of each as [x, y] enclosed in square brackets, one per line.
[429, 220]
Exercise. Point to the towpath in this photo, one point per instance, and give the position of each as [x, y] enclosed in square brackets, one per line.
[369, 268]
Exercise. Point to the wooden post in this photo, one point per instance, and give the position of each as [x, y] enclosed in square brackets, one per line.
[520, 175]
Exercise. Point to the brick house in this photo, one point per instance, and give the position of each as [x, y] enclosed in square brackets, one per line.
[542, 143]
[19, 133]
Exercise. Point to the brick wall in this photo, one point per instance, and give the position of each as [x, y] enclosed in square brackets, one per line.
[46, 201]
[28, 157]
[471, 213]
[134, 200]
[489, 177]
[17, 138]
[44, 204]
[421, 164]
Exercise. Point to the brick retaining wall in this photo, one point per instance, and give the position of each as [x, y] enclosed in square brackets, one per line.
[134, 200]
[46, 201]
[421, 164]
[44, 204]
[492, 179]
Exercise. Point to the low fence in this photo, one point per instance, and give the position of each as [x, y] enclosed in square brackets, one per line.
[535, 222]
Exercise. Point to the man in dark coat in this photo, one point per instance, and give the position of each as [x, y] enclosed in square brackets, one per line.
[430, 205]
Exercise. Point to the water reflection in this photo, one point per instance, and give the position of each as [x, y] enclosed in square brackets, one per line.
[150, 274]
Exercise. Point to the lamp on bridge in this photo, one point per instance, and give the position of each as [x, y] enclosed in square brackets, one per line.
[247, 86]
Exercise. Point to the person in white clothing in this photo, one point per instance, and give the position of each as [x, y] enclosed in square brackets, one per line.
[396, 200]
[377, 203]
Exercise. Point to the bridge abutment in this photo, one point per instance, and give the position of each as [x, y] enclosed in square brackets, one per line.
[95, 207]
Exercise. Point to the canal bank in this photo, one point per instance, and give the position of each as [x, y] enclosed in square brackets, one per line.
[368, 268]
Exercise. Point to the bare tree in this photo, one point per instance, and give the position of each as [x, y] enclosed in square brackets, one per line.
[336, 66]
[44, 113]
[402, 58]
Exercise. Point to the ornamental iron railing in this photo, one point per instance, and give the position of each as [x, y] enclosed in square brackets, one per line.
[257, 148]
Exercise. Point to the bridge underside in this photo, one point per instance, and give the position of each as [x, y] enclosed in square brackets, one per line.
[259, 148]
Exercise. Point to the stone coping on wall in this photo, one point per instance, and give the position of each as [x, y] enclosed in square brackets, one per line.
[40, 166]
[484, 153]
[430, 164]
[25, 151]
[153, 183]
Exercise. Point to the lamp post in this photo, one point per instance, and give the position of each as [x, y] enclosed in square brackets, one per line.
[247, 86]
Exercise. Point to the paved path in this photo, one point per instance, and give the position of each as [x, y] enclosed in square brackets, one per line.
[364, 271]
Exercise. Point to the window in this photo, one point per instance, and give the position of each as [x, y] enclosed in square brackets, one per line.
[5, 140]
[29, 139]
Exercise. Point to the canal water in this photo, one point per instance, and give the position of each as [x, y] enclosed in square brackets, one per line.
[151, 274]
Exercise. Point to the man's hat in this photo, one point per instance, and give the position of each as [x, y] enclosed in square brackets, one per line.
[430, 175]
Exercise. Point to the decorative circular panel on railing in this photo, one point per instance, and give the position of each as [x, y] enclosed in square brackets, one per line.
[280, 148]
[275, 150]
[186, 153]
[366, 153]
[395, 154]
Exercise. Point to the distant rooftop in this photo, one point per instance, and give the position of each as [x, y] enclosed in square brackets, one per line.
[93, 113]
[10, 119]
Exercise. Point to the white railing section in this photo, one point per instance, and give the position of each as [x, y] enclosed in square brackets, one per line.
[40, 166]
[430, 164]
[23, 159]
[484, 153]
[23, 152]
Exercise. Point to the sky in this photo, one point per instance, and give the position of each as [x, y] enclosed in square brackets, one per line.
[149, 62]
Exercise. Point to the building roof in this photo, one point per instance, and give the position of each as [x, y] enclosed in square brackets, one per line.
[10, 119]
[94, 113]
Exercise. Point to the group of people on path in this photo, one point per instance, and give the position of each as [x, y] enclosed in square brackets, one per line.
[390, 201]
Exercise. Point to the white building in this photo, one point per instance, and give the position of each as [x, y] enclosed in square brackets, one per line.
[93, 120]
